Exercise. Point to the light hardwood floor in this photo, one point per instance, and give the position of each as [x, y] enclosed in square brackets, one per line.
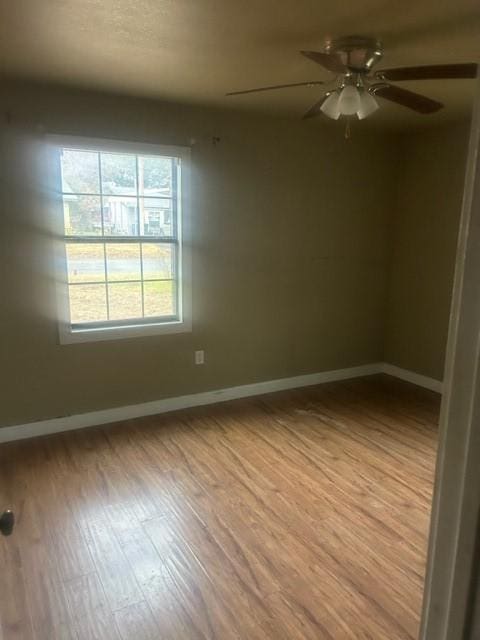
[297, 515]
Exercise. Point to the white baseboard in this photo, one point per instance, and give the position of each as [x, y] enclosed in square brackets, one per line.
[411, 376]
[117, 414]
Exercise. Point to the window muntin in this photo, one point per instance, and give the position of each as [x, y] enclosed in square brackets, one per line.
[121, 232]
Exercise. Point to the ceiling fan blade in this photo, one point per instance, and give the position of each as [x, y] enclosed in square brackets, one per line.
[315, 109]
[409, 99]
[331, 63]
[430, 72]
[312, 83]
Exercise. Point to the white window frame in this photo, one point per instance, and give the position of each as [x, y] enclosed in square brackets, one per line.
[68, 335]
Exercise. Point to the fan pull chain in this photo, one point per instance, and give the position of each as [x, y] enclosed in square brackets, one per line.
[347, 130]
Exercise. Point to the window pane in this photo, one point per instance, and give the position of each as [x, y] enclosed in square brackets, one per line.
[120, 216]
[87, 303]
[82, 215]
[125, 300]
[118, 174]
[159, 298]
[158, 261]
[123, 262]
[80, 171]
[156, 217]
[85, 263]
[155, 176]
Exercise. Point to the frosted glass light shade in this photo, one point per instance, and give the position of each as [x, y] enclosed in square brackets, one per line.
[330, 106]
[349, 100]
[368, 105]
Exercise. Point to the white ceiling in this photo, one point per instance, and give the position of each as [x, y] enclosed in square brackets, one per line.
[193, 51]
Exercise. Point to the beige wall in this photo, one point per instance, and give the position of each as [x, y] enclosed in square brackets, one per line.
[424, 235]
[290, 255]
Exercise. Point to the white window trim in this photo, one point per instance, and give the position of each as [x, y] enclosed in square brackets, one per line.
[96, 334]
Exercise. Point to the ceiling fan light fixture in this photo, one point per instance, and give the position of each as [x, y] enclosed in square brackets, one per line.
[349, 100]
[330, 106]
[368, 105]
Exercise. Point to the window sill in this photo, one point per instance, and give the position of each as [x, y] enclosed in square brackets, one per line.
[69, 336]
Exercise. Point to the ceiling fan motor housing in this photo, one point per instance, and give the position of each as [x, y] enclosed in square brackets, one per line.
[358, 53]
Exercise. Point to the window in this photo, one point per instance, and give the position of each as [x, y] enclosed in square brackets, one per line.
[123, 212]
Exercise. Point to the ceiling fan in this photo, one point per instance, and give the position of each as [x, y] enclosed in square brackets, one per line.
[352, 60]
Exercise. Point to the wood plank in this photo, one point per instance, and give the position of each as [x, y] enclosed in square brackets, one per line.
[116, 575]
[153, 576]
[15, 620]
[91, 615]
[137, 622]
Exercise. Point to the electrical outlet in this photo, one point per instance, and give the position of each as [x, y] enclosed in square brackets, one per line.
[200, 357]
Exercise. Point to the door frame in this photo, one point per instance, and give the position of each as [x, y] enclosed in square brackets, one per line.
[449, 583]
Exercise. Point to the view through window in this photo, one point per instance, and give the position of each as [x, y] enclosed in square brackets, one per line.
[121, 220]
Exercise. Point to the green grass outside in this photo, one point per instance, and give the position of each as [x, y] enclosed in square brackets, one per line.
[88, 302]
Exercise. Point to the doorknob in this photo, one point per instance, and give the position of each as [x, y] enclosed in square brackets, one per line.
[7, 521]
